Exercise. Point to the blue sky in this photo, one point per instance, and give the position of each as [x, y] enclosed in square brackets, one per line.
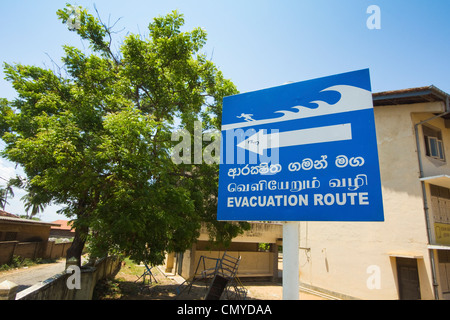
[257, 44]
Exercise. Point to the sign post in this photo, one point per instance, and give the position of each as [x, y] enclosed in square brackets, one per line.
[290, 261]
[302, 151]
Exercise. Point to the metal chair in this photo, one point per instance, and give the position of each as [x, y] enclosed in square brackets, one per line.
[225, 279]
[219, 278]
[147, 272]
[205, 275]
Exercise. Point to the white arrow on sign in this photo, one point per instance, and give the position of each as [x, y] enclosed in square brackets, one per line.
[260, 141]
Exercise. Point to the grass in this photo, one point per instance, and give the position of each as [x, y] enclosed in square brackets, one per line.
[131, 268]
[123, 285]
[19, 262]
[128, 286]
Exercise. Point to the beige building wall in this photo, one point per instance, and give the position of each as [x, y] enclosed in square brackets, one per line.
[358, 259]
[253, 263]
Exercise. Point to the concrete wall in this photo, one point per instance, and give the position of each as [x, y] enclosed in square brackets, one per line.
[253, 262]
[7, 251]
[56, 288]
[32, 250]
[57, 250]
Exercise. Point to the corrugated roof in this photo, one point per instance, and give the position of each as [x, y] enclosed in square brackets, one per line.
[25, 221]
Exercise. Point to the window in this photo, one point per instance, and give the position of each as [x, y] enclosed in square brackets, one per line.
[440, 202]
[444, 270]
[433, 143]
[436, 149]
[408, 279]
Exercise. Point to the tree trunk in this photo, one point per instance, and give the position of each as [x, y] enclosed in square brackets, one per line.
[73, 256]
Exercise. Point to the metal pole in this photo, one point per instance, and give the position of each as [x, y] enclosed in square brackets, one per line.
[290, 261]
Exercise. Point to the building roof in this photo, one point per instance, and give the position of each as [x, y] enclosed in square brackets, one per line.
[12, 218]
[62, 225]
[25, 221]
[409, 96]
[7, 214]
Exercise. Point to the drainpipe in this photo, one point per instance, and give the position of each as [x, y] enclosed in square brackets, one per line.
[424, 196]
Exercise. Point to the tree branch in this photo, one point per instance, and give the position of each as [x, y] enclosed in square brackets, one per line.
[109, 33]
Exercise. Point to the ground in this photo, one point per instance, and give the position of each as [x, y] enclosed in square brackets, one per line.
[27, 276]
[127, 286]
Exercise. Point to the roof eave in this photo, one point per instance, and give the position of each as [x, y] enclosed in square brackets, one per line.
[27, 221]
[409, 96]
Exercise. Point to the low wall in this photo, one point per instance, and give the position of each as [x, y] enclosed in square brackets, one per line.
[7, 251]
[32, 250]
[29, 250]
[55, 288]
[252, 264]
[57, 250]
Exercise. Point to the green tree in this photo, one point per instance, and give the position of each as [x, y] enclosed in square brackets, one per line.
[36, 202]
[95, 136]
[4, 193]
[30, 203]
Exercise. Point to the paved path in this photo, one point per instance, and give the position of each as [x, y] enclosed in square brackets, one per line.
[26, 277]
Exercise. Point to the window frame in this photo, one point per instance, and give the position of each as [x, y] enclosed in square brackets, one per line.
[434, 144]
